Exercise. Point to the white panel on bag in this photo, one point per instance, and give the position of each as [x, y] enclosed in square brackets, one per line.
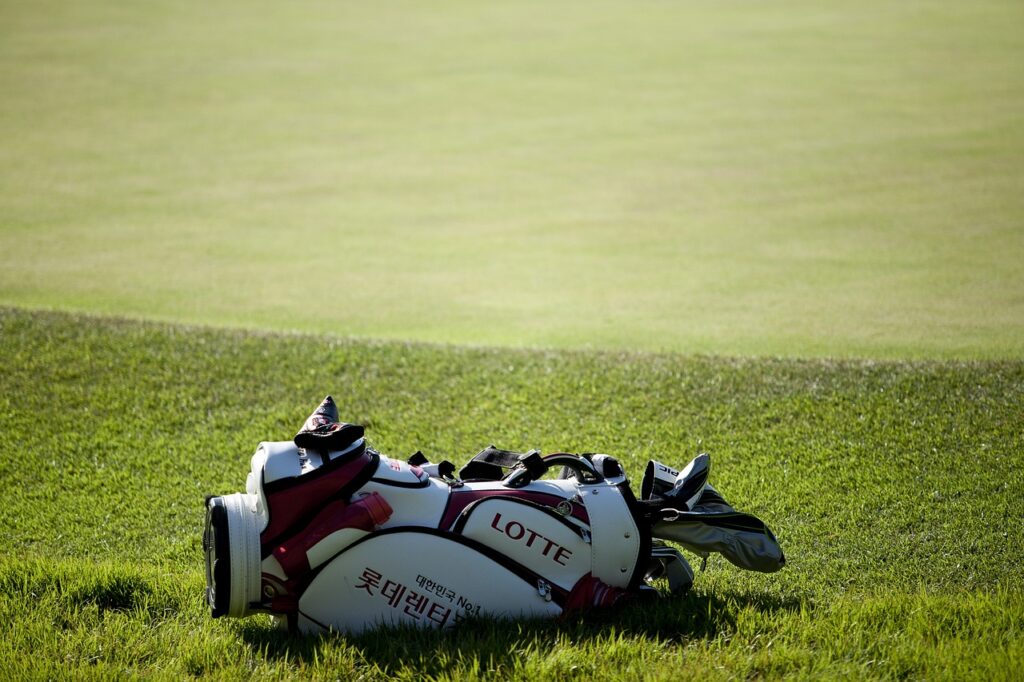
[615, 539]
[532, 538]
[412, 506]
[332, 544]
[279, 460]
[415, 578]
[391, 469]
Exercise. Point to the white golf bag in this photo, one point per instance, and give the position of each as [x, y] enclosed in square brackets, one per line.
[331, 534]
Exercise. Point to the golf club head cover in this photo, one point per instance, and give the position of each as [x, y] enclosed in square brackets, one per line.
[324, 432]
[689, 483]
[695, 515]
[658, 479]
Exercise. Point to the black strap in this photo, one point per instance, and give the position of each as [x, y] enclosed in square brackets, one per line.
[491, 462]
[534, 463]
[481, 471]
[533, 467]
[506, 459]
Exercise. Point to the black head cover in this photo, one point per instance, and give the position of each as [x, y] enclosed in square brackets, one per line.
[323, 432]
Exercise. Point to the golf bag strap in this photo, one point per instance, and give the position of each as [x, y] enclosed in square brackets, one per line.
[534, 467]
[506, 459]
[491, 462]
[417, 459]
[481, 471]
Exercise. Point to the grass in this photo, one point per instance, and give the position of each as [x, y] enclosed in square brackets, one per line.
[894, 488]
[573, 193]
[795, 178]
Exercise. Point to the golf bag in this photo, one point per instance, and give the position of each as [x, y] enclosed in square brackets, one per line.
[331, 534]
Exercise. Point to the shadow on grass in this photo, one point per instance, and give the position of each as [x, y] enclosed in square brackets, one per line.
[497, 643]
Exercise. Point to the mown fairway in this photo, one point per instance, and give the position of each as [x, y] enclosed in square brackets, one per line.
[796, 178]
[894, 487]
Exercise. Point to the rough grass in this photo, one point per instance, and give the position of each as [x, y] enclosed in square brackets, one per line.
[720, 176]
[894, 488]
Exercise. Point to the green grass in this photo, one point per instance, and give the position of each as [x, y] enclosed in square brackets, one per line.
[795, 178]
[894, 487]
[598, 179]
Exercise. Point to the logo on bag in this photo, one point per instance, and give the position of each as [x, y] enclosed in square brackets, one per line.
[514, 530]
[424, 605]
[668, 471]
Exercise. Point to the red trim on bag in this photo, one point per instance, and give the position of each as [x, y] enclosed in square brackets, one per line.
[589, 592]
[289, 503]
[364, 514]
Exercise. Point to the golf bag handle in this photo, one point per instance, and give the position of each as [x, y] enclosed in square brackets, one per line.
[584, 469]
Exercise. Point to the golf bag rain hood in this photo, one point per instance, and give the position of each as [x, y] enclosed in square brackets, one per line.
[331, 534]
